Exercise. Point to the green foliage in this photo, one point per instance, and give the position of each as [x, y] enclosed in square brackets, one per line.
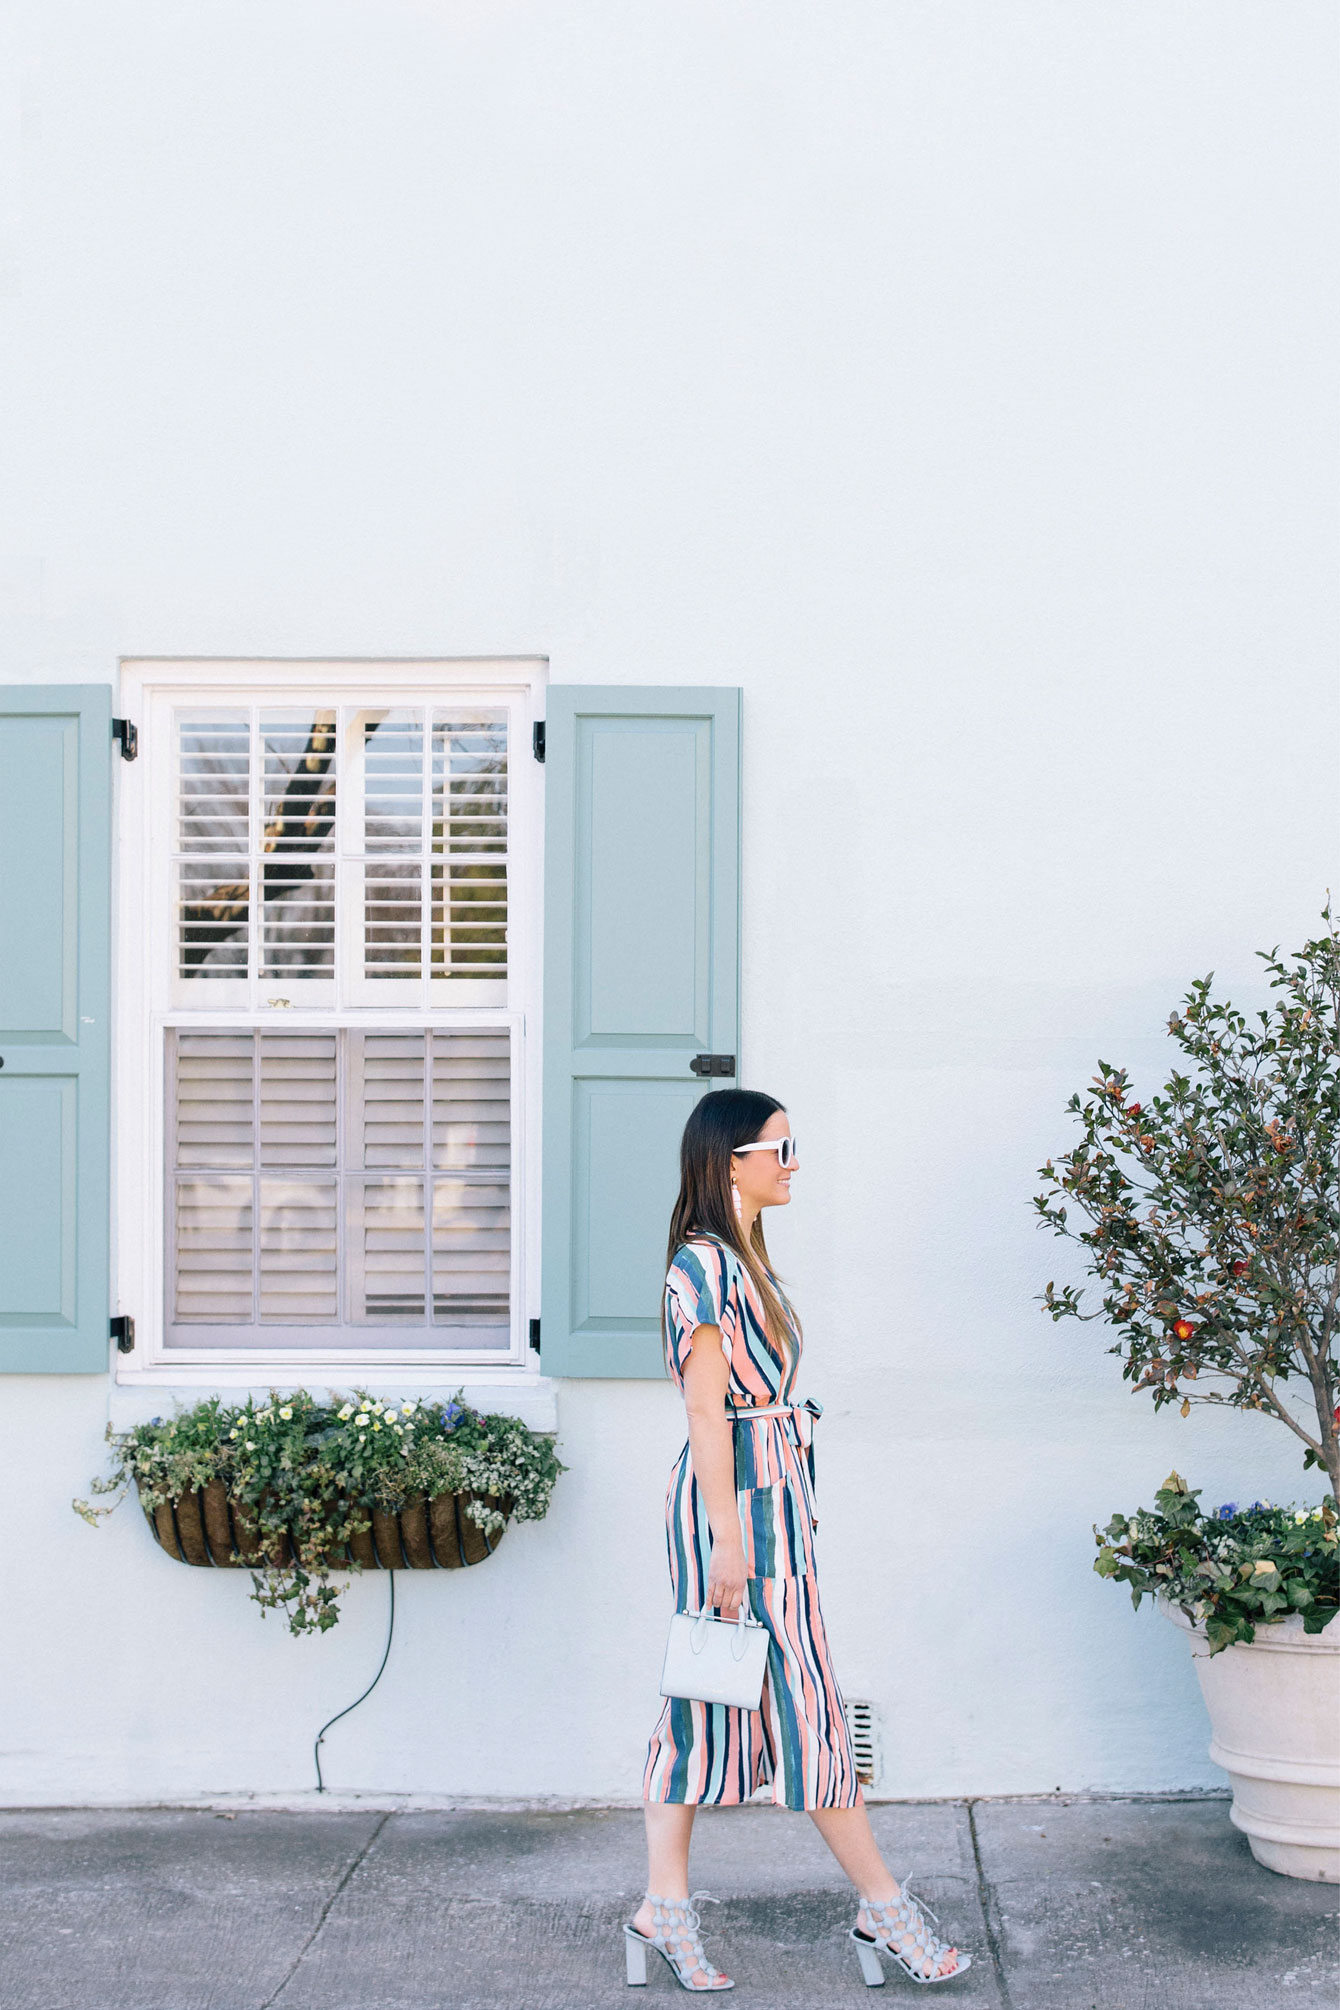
[311, 1472]
[1228, 1572]
[1210, 1215]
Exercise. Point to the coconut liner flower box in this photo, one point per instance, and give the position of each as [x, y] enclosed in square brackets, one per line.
[204, 1527]
[296, 1490]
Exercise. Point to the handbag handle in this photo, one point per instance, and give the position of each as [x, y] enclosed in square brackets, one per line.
[739, 1645]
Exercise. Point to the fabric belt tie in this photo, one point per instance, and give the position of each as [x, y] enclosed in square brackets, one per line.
[800, 1419]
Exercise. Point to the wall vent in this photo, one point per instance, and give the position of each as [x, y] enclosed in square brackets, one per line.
[861, 1724]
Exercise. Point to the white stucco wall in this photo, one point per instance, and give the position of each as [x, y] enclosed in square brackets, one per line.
[956, 379]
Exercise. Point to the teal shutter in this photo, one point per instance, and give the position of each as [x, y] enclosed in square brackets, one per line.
[55, 998]
[642, 966]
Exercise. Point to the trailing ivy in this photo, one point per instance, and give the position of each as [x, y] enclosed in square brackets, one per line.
[311, 1472]
[1231, 1571]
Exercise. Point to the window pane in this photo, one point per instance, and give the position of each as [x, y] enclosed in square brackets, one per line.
[391, 745]
[214, 1251]
[298, 1099]
[469, 846]
[386, 1257]
[298, 763]
[471, 1102]
[472, 1212]
[299, 1253]
[213, 843]
[471, 1253]
[390, 1098]
[215, 1114]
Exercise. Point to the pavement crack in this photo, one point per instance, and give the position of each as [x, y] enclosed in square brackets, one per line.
[986, 1899]
[324, 1915]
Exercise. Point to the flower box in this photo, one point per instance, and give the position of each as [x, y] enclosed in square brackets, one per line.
[296, 1490]
[204, 1527]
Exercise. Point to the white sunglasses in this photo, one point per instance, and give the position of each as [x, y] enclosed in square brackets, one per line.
[785, 1149]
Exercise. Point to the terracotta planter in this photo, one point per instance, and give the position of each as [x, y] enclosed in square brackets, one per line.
[207, 1529]
[1274, 1708]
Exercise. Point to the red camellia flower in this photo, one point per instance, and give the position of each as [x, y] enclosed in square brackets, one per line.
[1241, 1267]
[1133, 1110]
[1183, 1329]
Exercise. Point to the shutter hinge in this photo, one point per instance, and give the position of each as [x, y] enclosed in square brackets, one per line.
[535, 1334]
[713, 1064]
[537, 739]
[123, 1332]
[127, 733]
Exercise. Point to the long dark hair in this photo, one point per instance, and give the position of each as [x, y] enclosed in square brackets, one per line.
[719, 1123]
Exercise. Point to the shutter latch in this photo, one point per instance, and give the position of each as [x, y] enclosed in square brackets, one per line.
[123, 1332]
[537, 739]
[126, 732]
[713, 1064]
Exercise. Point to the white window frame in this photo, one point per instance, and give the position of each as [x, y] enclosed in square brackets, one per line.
[144, 917]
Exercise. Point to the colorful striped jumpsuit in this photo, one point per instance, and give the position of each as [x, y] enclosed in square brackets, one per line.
[797, 1739]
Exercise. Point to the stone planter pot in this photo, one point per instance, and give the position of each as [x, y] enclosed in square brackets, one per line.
[205, 1528]
[1275, 1716]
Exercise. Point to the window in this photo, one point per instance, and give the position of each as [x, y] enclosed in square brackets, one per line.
[329, 1011]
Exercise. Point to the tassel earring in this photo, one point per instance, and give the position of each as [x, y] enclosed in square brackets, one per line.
[735, 1202]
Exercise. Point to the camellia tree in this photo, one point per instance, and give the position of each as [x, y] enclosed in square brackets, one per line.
[1210, 1215]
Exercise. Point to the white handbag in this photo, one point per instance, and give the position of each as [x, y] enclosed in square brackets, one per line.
[716, 1660]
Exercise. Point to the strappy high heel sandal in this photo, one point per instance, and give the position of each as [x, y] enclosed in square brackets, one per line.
[901, 1932]
[674, 1935]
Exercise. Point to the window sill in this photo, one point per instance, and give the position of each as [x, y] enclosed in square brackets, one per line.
[136, 1396]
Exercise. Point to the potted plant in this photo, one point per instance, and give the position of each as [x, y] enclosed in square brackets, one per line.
[1209, 1217]
[297, 1490]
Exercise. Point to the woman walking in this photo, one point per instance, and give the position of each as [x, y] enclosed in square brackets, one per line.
[740, 1520]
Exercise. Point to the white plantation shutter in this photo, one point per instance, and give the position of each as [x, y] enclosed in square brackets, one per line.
[342, 1186]
[255, 824]
[390, 746]
[298, 760]
[213, 844]
[214, 1222]
[387, 1267]
[432, 849]
[471, 1141]
[469, 870]
[297, 1112]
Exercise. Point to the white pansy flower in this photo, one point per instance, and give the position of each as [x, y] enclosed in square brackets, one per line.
[287, 1412]
[378, 1408]
[251, 1444]
[391, 1416]
[1302, 1515]
[346, 1412]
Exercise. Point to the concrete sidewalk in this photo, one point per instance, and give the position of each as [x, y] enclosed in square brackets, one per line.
[1065, 1905]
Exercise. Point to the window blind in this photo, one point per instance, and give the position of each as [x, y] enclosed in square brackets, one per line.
[434, 843]
[420, 878]
[340, 1181]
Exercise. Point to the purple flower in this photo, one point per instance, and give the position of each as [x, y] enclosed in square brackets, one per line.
[1228, 1510]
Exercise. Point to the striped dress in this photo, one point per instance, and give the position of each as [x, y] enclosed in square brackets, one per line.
[797, 1740]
